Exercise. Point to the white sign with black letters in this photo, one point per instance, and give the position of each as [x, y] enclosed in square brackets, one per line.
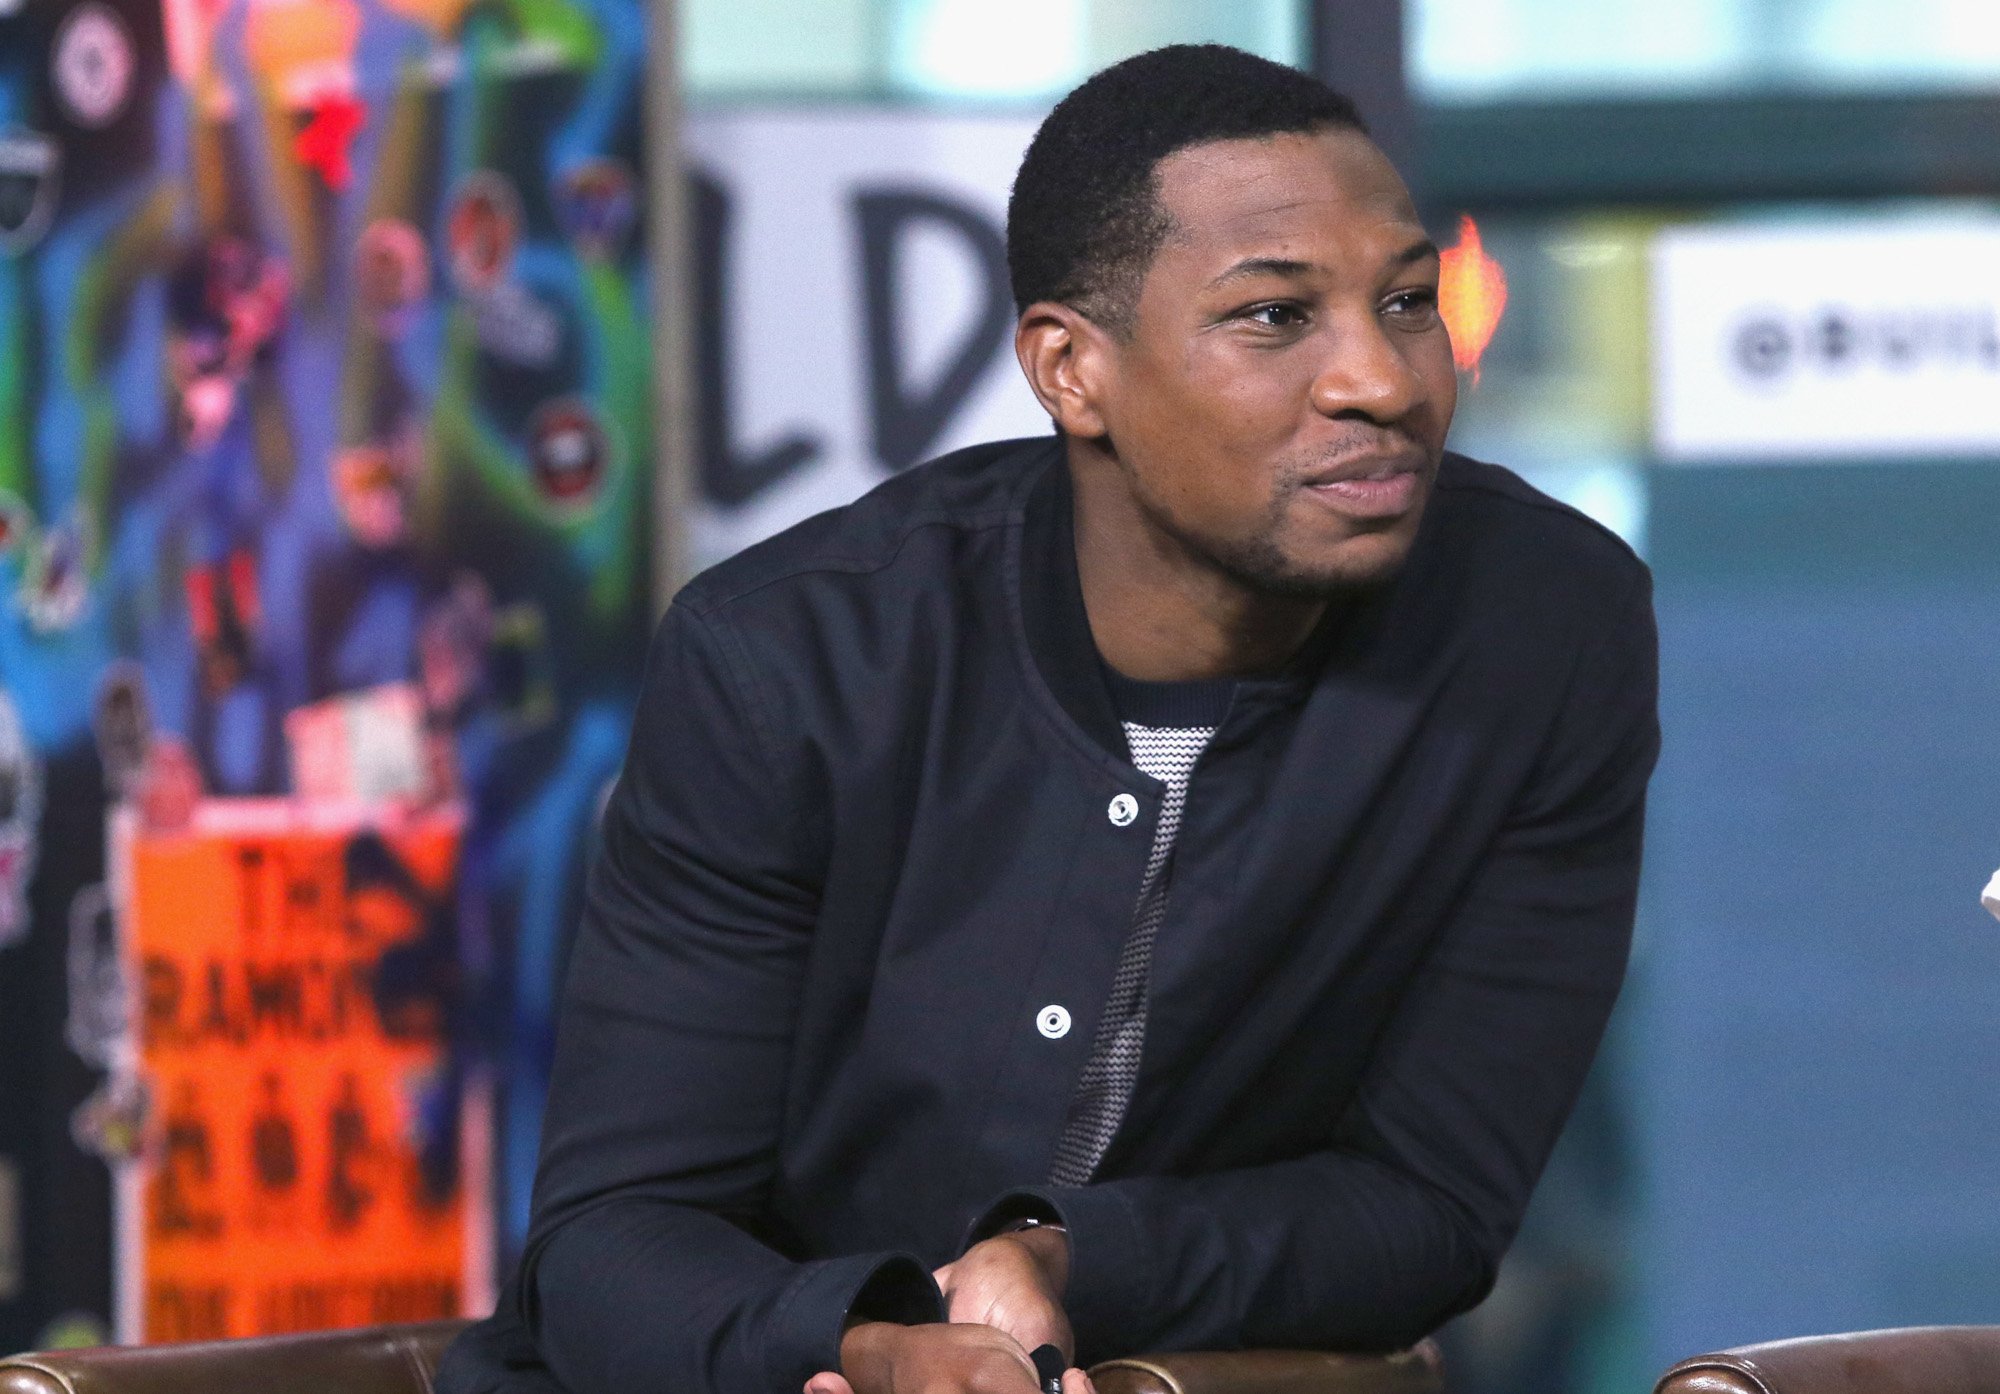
[851, 309]
[1816, 341]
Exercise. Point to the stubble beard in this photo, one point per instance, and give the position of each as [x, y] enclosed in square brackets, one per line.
[1258, 562]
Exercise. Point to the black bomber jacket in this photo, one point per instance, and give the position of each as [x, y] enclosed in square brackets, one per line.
[862, 842]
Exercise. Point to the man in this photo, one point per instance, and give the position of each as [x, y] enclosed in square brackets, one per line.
[1167, 880]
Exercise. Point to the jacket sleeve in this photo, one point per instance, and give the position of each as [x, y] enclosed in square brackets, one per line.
[644, 1269]
[1401, 1223]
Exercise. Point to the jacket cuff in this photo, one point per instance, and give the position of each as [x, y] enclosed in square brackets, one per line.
[1015, 1205]
[812, 1317]
[1111, 1265]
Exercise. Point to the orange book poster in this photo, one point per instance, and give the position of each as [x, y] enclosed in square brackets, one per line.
[290, 1037]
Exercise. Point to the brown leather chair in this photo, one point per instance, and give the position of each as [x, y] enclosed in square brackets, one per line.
[371, 1360]
[1416, 1371]
[1911, 1360]
[401, 1360]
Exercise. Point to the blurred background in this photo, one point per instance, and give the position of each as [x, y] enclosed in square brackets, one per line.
[367, 382]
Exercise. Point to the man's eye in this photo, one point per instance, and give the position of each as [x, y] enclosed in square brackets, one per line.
[1418, 305]
[1276, 316]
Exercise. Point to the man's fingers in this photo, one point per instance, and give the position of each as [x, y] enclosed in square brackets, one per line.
[968, 1357]
[1030, 1325]
[1077, 1382]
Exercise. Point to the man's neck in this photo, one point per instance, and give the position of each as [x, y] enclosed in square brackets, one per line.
[1160, 613]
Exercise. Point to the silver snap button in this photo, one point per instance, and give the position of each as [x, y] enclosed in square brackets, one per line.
[1052, 1021]
[1124, 809]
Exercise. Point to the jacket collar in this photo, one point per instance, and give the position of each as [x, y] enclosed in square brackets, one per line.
[1058, 626]
[1052, 612]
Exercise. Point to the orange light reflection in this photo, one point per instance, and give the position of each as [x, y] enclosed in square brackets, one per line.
[1472, 295]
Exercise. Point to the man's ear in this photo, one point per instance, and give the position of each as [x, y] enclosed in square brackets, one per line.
[1067, 359]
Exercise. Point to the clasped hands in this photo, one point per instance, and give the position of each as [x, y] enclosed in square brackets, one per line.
[1003, 1298]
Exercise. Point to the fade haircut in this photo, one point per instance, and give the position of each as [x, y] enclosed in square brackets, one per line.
[1084, 219]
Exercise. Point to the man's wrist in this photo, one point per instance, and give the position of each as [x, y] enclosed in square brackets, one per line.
[862, 1348]
[1048, 1245]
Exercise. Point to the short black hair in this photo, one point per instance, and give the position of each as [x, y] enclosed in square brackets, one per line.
[1084, 219]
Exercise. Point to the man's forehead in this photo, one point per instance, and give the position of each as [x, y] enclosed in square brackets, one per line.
[1232, 191]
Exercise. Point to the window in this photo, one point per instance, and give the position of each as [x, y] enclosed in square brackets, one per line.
[1023, 51]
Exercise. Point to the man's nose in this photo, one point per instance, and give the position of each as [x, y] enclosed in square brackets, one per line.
[1366, 373]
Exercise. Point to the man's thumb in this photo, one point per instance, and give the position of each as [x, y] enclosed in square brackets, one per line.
[827, 1382]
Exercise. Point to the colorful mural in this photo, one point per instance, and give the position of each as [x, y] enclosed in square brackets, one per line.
[324, 391]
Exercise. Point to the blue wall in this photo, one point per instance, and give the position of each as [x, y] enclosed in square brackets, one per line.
[1817, 992]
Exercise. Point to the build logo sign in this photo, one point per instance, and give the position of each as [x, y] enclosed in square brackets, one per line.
[303, 1156]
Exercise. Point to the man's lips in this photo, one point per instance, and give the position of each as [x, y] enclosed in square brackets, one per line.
[1370, 465]
[1375, 487]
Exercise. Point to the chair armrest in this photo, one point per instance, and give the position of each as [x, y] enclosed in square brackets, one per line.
[1909, 1360]
[1419, 1370]
[371, 1360]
